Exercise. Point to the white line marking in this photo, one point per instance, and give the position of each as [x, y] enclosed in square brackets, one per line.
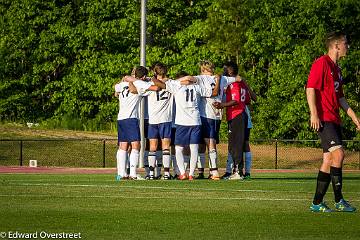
[153, 197]
[162, 188]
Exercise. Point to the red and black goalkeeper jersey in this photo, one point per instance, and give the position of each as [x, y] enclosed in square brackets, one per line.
[238, 92]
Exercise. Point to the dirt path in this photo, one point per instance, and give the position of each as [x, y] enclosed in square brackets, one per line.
[11, 131]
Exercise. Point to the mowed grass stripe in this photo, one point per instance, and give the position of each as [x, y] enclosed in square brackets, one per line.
[153, 197]
[197, 189]
[142, 187]
[151, 192]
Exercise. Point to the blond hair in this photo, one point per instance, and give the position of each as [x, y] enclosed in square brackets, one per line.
[206, 65]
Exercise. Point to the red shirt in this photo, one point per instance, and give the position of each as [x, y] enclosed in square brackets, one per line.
[237, 91]
[325, 78]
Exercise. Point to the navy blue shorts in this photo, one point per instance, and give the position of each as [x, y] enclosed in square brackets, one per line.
[186, 135]
[128, 130]
[161, 130]
[210, 128]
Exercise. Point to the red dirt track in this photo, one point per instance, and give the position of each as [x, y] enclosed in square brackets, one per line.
[56, 170]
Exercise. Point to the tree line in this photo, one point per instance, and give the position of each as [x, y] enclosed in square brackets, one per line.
[59, 59]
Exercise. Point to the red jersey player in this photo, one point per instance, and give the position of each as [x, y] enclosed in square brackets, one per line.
[237, 97]
[325, 97]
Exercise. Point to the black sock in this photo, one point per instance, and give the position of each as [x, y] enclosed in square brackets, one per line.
[323, 181]
[336, 180]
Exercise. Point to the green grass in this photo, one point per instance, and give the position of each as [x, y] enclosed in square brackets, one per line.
[270, 206]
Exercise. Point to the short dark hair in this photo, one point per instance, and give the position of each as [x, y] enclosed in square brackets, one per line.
[333, 36]
[230, 67]
[140, 72]
[181, 74]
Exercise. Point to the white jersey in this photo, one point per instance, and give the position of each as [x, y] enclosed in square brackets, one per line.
[186, 100]
[206, 107]
[160, 106]
[129, 102]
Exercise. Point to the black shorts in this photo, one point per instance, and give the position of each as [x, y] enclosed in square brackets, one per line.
[247, 134]
[330, 136]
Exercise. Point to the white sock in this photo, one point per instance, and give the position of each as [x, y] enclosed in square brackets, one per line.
[127, 164]
[213, 158]
[229, 164]
[152, 160]
[166, 161]
[248, 162]
[134, 159]
[121, 162]
[194, 152]
[180, 158]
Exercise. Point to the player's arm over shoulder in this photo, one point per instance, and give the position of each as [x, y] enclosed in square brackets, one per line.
[187, 80]
[216, 89]
[143, 86]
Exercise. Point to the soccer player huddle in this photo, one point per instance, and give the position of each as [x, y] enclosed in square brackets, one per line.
[182, 119]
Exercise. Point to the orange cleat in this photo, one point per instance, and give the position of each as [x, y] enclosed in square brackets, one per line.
[215, 178]
[183, 177]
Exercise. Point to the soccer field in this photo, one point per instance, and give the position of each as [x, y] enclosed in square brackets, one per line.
[94, 206]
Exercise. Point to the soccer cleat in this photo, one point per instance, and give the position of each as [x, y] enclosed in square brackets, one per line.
[118, 177]
[147, 177]
[167, 177]
[151, 177]
[210, 176]
[236, 176]
[200, 176]
[139, 177]
[183, 177]
[158, 177]
[321, 207]
[215, 178]
[247, 176]
[344, 206]
[175, 177]
[191, 178]
[226, 175]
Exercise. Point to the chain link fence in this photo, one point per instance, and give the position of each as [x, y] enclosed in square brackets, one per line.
[267, 154]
